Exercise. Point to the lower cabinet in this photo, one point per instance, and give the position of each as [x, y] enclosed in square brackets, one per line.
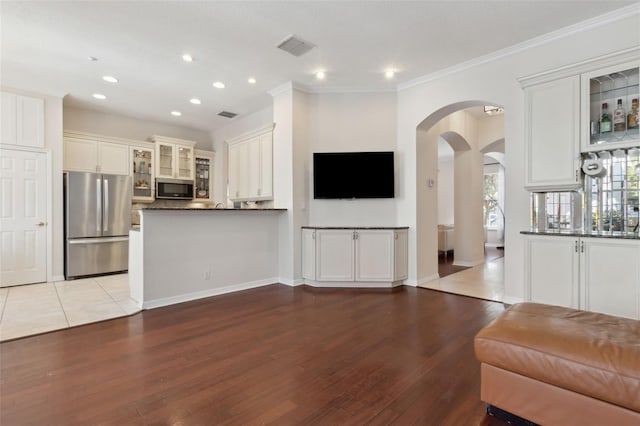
[593, 274]
[358, 256]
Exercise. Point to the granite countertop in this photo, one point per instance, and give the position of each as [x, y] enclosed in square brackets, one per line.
[354, 227]
[586, 234]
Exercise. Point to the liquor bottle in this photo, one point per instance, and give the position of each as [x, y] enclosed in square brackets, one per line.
[605, 120]
[619, 118]
[632, 117]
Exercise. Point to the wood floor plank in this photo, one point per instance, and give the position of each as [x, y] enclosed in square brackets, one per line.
[272, 355]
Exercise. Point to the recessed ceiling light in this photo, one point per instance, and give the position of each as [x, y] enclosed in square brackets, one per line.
[218, 85]
[92, 58]
[110, 79]
[320, 75]
[195, 101]
[252, 80]
[99, 96]
[389, 73]
[176, 113]
[187, 58]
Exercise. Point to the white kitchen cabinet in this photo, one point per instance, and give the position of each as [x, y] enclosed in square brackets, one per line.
[250, 166]
[610, 276]
[22, 120]
[552, 271]
[335, 255]
[354, 257]
[203, 184]
[174, 158]
[401, 253]
[142, 175]
[90, 153]
[607, 86]
[375, 258]
[593, 274]
[309, 253]
[552, 139]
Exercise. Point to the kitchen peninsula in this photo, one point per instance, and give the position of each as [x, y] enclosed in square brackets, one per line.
[183, 254]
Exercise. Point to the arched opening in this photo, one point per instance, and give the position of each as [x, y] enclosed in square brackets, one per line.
[470, 134]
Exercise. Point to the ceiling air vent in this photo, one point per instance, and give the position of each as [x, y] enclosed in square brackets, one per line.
[227, 114]
[295, 45]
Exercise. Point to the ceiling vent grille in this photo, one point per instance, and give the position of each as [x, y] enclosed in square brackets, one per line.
[227, 114]
[295, 45]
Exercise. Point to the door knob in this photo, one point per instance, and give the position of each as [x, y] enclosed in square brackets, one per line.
[40, 224]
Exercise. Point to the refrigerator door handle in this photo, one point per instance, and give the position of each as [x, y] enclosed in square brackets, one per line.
[105, 221]
[97, 240]
[99, 205]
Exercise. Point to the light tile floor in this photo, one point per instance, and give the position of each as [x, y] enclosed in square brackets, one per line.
[484, 281]
[38, 308]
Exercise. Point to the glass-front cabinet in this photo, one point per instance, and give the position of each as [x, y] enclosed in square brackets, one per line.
[610, 108]
[142, 173]
[175, 158]
[203, 191]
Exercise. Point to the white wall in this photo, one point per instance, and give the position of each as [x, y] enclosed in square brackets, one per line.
[90, 121]
[445, 191]
[495, 82]
[192, 254]
[352, 122]
[52, 143]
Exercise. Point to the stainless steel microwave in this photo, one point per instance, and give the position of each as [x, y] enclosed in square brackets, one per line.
[174, 189]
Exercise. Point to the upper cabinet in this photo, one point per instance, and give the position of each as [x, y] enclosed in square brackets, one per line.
[610, 107]
[142, 176]
[250, 165]
[580, 108]
[84, 152]
[174, 158]
[552, 135]
[203, 184]
[22, 120]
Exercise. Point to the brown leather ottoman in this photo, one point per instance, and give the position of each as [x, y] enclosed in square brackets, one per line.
[560, 366]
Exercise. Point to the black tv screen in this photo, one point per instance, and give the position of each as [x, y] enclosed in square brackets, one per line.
[353, 175]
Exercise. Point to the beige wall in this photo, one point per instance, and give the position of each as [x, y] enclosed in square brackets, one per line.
[102, 123]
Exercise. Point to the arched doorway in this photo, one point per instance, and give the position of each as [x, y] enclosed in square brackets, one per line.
[462, 127]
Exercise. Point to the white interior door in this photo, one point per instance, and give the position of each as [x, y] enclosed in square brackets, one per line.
[23, 212]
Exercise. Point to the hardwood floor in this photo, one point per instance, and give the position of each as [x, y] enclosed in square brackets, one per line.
[276, 355]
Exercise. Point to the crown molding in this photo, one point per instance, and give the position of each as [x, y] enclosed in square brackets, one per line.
[289, 86]
[293, 85]
[614, 58]
[591, 23]
[352, 89]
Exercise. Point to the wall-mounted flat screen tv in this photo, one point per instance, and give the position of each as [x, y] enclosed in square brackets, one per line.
[347, 175]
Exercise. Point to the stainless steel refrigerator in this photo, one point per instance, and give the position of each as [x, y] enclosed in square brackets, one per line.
[97, 221]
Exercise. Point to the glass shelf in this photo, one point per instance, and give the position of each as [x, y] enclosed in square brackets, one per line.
[607, 90]
[142, 173]
[202, 183]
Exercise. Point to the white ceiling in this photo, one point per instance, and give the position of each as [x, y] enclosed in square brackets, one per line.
[45, 46]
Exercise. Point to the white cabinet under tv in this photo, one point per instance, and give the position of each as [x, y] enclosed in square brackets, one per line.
[354, 257]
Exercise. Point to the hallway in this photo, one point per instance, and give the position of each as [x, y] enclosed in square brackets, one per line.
[484, 281]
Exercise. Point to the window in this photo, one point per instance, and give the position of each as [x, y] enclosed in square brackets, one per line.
[612, 201]
[490, 205]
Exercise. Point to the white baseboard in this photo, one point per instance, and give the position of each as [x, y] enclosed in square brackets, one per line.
[468, 264]
[291, 283]
[166, 301]
[512, 300]
[57, 278]
[352, 284]
[427, 279]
